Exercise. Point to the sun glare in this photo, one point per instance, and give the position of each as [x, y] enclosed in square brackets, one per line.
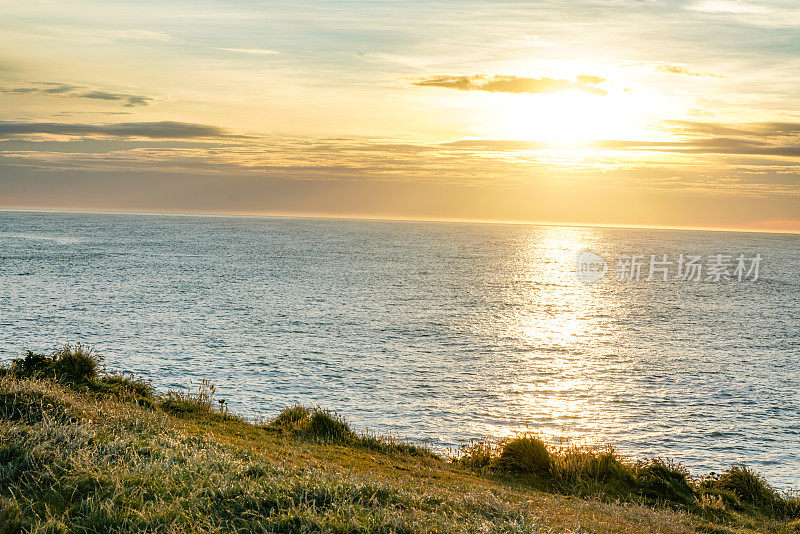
[569, 118]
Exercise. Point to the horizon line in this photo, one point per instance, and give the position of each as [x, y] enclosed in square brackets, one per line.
[378, 218]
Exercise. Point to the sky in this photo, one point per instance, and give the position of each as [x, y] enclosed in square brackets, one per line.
[673, 113]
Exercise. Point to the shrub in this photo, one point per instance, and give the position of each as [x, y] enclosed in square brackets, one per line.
[526, 454]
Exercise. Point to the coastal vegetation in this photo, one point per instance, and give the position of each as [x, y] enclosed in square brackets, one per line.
[86, 450]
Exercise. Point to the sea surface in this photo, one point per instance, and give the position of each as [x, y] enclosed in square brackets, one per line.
[439, 332]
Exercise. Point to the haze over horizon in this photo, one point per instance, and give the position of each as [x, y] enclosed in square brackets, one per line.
[653, 113]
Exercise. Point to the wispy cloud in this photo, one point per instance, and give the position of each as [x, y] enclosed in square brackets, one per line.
[771, 139]
[515, 84]
[679, 69]
[770, 15]
[763, 131]
[727, 6]
[130, 100]
[77, 91]
[103, 36]
[250, 51]
[153, 130]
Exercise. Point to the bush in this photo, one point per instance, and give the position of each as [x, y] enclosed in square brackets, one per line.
[526, 454]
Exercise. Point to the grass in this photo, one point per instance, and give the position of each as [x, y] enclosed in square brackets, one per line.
[89, 451]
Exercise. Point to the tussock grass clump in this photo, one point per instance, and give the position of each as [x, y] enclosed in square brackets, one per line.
[314, 424]
[75, 364]
[748, 486]
[80, 366]
[194, 404]
[127, 385]
[291, 418]
[477, 453]
[329, 427]
[524, 454]
[585, 466]
[739, 487]
[661, 480]
[324, 426]
[582, 470]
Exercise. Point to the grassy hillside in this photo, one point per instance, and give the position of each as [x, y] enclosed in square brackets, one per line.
[86, 451]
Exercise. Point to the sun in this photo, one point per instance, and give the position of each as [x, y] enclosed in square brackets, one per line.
[568, 117]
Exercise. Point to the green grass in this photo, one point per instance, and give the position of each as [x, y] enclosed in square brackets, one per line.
[88, 451]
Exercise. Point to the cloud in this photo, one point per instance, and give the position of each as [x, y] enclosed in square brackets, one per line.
[130, 100]
[153, 130]
[101, 36]
[759, 130]
[771, 139]
[678, 69]
[727, 6]
[764, 14]
[77, 91]
[251, 51]
[588, 78]
[58, 88]
[515, 84]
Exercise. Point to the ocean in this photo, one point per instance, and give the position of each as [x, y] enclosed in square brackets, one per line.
[438, 332]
